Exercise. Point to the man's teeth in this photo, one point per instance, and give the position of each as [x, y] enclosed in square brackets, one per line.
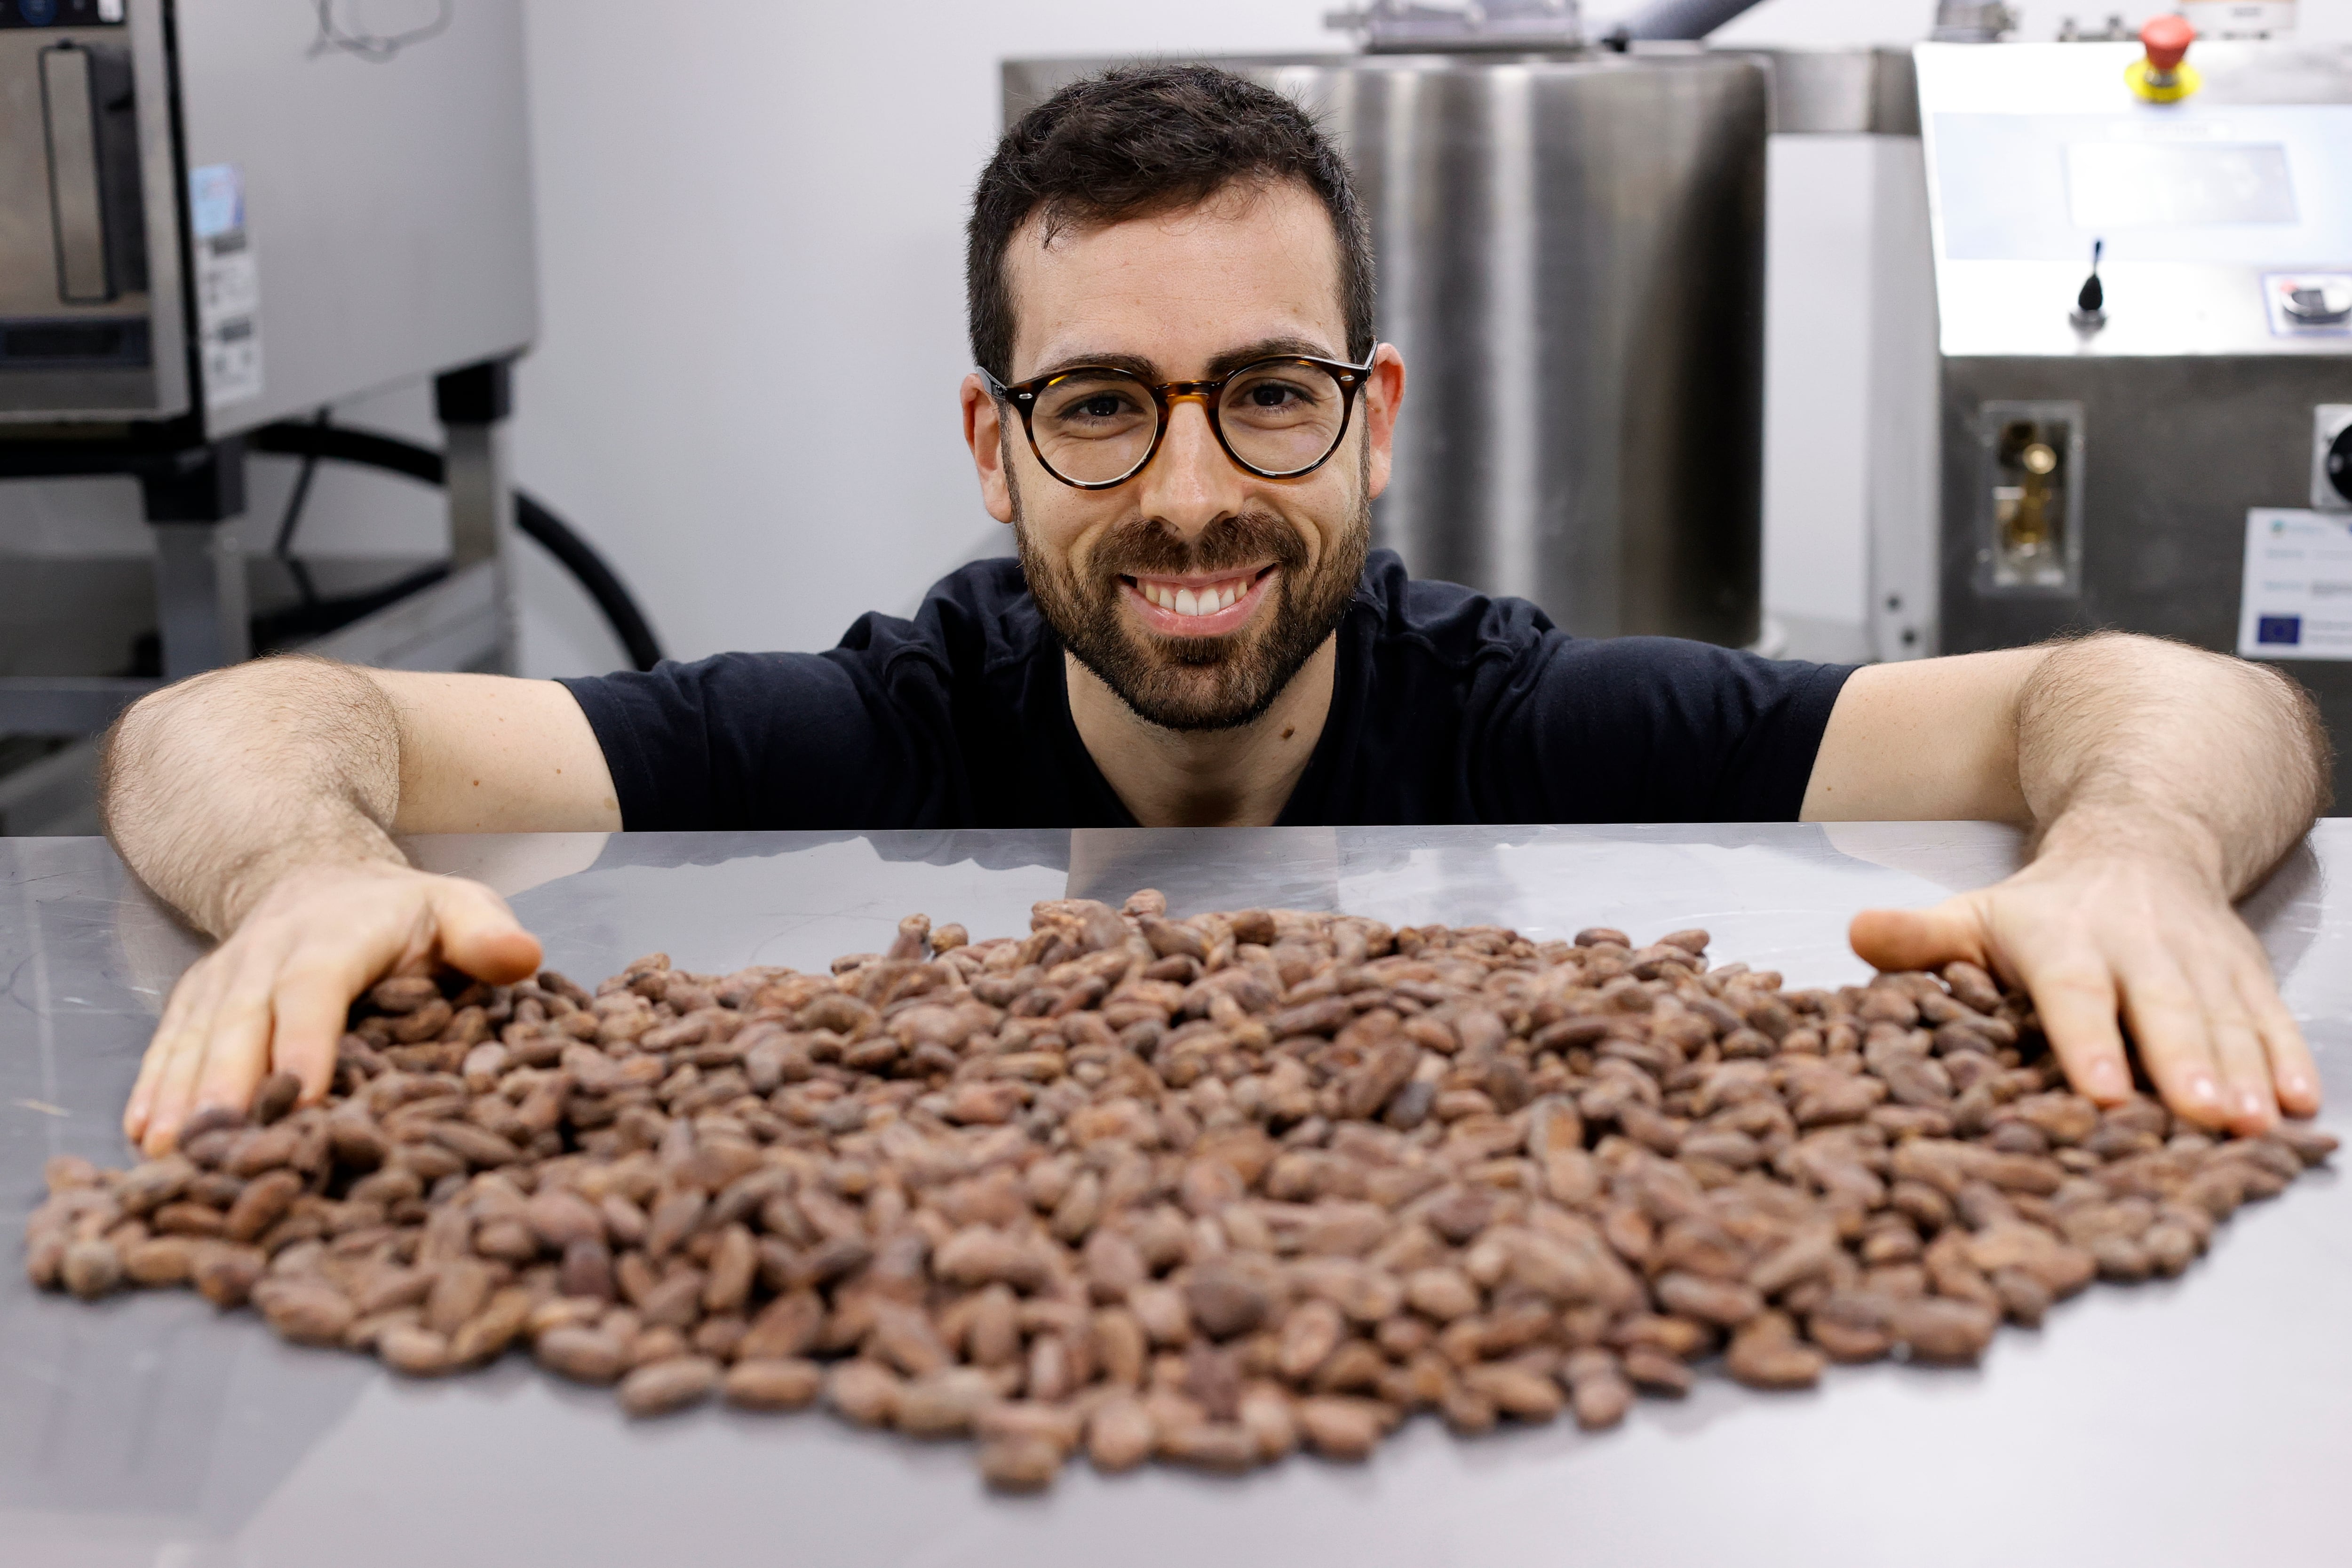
[1204, 602]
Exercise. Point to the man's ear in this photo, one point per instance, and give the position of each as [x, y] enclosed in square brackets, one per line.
[1384, 395]
[984, 432]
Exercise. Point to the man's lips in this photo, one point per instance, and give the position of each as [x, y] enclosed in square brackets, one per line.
[1204, 605]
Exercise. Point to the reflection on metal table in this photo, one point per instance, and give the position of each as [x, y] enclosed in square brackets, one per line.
[2199, 1419]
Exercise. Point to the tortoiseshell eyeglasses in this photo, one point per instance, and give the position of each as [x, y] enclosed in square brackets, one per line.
[1093, 428]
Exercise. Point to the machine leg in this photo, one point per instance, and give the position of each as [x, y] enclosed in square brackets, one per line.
[200, 611]
[473, 404]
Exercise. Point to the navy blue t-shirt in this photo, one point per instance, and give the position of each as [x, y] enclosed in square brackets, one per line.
[1447, 707]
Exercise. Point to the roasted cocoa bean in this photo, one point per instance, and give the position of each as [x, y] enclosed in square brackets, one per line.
[92, 1267]
[1119, 1434]
[663, 1386]
[306, 1311]
[583, 1354]
[777, 1383]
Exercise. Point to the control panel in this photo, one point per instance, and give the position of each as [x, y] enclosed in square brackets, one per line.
[2206, 187]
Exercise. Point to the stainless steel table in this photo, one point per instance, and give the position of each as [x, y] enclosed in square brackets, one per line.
[2205, 1419]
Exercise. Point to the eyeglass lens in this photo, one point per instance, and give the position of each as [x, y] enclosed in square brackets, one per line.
[1094, 427]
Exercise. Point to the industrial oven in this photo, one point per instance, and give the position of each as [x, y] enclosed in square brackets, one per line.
[216, 215]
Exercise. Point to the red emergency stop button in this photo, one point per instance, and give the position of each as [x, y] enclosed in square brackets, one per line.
[2166, 39]
[2164, 75]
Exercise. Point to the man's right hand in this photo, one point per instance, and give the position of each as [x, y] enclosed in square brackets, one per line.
[274, 994]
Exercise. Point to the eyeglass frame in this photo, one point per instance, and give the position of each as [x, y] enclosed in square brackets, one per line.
[1022, 395]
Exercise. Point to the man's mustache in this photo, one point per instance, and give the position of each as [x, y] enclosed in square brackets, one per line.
[1149, 547]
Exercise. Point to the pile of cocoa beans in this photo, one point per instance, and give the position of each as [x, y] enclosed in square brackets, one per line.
[1206, 1190]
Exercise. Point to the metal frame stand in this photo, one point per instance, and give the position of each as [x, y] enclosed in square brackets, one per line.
[473, 406]
[200, 612]
[191, 496]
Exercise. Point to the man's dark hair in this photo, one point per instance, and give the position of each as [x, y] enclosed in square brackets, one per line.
[1144, 140]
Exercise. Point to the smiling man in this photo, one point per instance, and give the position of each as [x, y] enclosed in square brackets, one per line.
[1181, 411]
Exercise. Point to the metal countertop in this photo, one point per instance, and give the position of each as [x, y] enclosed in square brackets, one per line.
[2200, 1419]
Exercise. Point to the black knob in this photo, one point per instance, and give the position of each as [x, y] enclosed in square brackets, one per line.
[2091, 304]
[2094, 297]
[2340, 463]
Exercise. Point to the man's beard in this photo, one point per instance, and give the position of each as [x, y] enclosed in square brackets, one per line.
[1198, 683]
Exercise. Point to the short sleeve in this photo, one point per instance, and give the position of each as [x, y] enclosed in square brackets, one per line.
[1657, 730]
[776, 740]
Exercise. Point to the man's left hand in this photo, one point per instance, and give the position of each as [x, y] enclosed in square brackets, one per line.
[2110, 943]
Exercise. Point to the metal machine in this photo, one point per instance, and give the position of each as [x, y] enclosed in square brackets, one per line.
[214, 216]
[2142, 380]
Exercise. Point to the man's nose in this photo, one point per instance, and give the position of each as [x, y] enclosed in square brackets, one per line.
[1191, 483]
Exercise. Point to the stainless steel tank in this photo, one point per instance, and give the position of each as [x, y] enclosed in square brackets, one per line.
[1571, 261]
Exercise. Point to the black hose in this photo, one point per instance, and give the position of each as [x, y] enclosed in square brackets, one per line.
[341, 444]
[580, 558]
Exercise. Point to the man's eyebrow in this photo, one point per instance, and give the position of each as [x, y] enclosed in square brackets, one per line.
[1225, 363]
[1134, 365]
[1266, 348]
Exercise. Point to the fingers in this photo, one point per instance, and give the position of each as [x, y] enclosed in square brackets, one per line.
[184, 1057]
[170, 1031]
[1920, 939]
[313, 998]
[2247, 1102]
[480, 935]
[2075, 994]
[236, 1045]
[2166, 1017]
[2294, 1076]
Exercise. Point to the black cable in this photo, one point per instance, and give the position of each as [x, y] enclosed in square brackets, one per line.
[339, 444]
[284, 550]
[591, 570]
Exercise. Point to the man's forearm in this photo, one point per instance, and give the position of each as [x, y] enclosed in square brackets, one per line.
[213, 789]
[2148, 747]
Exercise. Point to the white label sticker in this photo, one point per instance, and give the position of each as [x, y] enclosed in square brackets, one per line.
[2297, 599]
[228, 286]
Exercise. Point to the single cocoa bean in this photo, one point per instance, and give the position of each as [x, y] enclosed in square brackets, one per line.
[776, 1384]
[414, 1351]
[306, 1311]
[865, 1392]
[92, 1267]
[1339, 1428]
[664, 1387]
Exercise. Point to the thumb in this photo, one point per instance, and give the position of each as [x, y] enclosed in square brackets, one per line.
[480, 935]
[1919, 938]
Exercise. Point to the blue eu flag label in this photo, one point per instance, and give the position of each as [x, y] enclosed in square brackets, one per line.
[2285, 630]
